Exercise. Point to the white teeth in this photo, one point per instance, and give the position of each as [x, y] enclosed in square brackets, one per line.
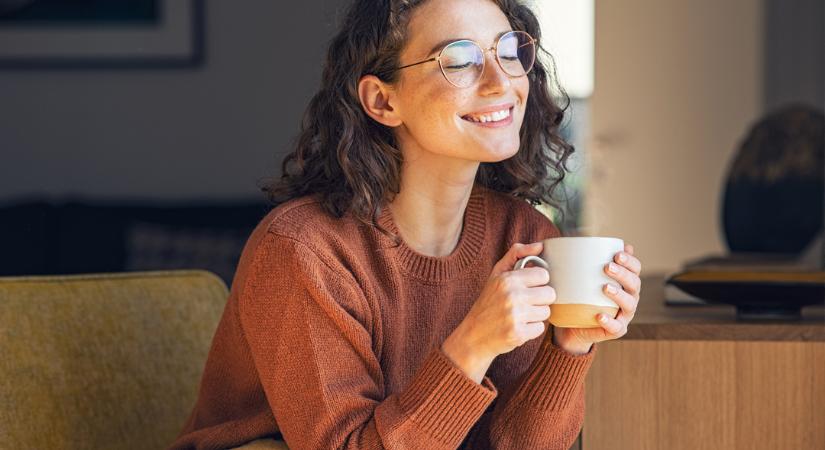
[490, 117]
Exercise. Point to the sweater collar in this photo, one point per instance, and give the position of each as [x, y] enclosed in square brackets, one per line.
[443, 268]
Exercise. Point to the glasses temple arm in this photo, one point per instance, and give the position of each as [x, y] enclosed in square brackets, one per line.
[413, 64]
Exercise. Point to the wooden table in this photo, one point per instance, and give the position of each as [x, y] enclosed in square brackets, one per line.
[693, 377]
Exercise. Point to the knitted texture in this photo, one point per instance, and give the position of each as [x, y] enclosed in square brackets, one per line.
[332, 332]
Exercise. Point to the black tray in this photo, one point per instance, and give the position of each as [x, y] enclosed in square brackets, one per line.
[757, 295]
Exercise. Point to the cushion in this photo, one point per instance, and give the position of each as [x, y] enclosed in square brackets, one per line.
[103, 360]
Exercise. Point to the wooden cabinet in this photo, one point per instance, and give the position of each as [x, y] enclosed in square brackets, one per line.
[693, 377]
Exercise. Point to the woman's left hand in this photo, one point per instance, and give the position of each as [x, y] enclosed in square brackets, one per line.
[628, 269]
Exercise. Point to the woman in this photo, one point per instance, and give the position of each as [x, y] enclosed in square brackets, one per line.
[376, 306]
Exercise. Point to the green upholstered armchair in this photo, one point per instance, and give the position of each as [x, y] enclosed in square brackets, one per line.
[103, 361]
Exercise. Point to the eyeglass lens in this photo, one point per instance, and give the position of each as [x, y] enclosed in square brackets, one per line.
[463, 61]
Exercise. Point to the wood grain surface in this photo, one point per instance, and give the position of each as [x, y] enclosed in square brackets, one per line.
[650, 394]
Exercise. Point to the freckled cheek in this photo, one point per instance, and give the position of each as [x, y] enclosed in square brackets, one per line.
[440, 109]
[432, 122]
[523, 90]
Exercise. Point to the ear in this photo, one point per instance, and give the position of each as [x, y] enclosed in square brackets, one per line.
[376, 98]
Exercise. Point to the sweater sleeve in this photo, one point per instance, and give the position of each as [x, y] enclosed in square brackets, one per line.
[543, 409]
[310, 332]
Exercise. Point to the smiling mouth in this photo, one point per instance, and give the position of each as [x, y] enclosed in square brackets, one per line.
[494, 116]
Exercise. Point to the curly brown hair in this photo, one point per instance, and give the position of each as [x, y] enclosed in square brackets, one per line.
[354, 162]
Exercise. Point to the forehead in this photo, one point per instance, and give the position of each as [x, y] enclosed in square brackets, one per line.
[439, 20]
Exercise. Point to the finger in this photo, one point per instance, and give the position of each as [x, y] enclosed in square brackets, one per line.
[537, 314]
[629, 261]
[628, 248]
[624, 300]
[630, 281]
[541, 295]
[615, 328]
[532, 276]
[533, 330]
[516, 252]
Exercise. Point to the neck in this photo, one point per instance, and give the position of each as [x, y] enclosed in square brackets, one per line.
[429, 210]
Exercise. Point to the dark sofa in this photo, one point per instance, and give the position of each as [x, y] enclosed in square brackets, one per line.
[42, 237]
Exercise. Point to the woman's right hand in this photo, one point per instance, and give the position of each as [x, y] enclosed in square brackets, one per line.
[511, 310]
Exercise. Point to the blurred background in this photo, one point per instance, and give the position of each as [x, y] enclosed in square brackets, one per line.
[134, 133]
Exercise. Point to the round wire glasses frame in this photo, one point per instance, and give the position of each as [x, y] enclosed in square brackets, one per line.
[523, 37]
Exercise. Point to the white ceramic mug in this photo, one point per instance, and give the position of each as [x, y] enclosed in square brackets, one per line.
[576, 266]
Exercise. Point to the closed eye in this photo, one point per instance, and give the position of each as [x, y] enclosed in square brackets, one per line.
[459, 66]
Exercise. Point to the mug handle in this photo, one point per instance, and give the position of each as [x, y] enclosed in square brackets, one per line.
[523, 262]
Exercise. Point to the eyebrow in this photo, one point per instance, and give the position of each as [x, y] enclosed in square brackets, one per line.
[441, 44]
[444, 42]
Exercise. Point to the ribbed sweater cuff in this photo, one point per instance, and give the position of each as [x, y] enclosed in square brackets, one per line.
[443, 400]
[554, 377]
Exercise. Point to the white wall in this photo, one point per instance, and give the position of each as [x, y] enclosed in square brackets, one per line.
[677, 84]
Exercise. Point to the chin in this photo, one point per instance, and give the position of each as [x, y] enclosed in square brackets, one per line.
[494, 155]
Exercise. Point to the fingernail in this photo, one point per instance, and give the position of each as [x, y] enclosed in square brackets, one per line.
[612, 268]
[622, 257]
[611, 289]
[602, 318]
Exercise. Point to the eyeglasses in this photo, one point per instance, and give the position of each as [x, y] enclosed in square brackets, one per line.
[462, 61]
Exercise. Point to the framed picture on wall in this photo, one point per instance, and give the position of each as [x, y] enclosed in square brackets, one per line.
[101, 33]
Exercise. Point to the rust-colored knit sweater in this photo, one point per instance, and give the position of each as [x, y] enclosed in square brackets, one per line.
[331, 337]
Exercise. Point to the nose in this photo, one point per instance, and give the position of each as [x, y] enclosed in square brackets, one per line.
[493, 79]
